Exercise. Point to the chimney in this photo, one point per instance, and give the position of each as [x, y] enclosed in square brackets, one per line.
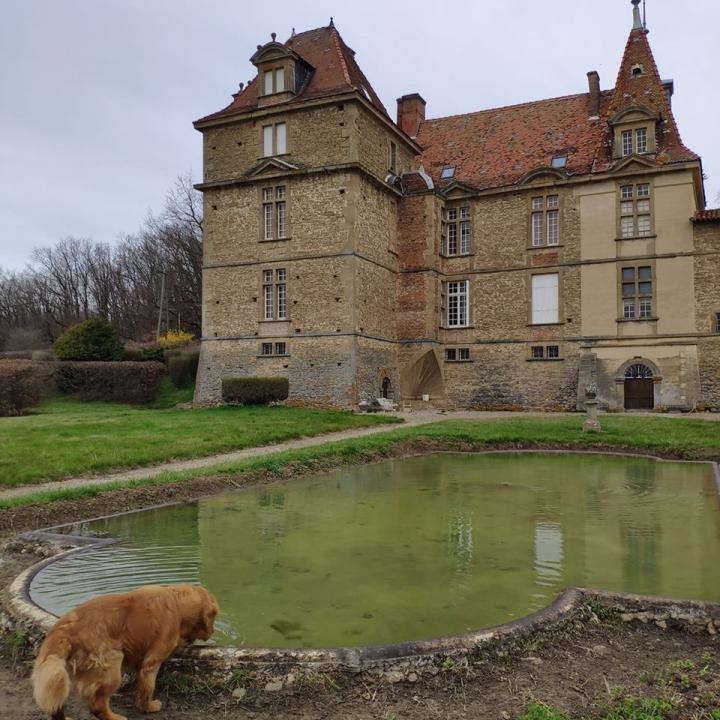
[410, 113]
[669, 88]
[594, 83]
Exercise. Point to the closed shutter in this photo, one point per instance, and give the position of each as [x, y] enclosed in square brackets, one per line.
[545, 299]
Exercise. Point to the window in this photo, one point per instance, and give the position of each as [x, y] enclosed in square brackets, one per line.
[636, 292]
[274, 140]
[447, 172]
[274, 295]
[393, 157]
[634, 141]
[457, 354]
[280, 348]
[274, 213]
[545, 300]
[559, 161]
[455, 231]
[635, 211]
[546, 352]
[545, 221]
[457, 308]
[717, 322]
[274, 81]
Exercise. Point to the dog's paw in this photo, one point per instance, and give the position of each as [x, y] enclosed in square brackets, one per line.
[153, 706]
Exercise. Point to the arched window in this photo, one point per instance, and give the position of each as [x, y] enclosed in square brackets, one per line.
[386, 389]
[638, 372]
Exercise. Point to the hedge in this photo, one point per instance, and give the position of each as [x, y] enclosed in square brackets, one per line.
[254, 390]
[129, 382]
[23, 384]
[183, 368]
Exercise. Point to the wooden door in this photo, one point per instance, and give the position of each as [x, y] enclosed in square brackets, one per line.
[639, 394]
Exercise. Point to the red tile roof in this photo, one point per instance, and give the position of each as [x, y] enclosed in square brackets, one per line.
[335, 71]
[707, 215]
[497, 148]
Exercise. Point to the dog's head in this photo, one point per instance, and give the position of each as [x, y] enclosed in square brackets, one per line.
[198, 609]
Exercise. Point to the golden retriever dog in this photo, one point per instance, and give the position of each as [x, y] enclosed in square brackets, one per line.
[142, 628]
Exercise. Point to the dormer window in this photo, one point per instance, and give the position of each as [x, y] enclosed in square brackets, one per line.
[637, 70]
[559, 161]
[274, 81]
[634, 141]
[447, 172]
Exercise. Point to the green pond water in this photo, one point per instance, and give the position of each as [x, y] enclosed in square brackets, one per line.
[414, 548]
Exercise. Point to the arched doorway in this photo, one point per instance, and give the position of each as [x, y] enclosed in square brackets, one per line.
[639, 387]
[386, 388]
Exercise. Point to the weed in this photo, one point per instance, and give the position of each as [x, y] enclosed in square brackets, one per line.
[541, 711]
[640, 709]
[715, 714]
[447, 664]
[601, 611]
[187, 685]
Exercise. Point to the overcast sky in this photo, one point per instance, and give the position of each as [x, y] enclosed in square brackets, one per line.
[97, 97]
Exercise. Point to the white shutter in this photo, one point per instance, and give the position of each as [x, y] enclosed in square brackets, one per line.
[280, 80]
[280, 138]
[545, 298]
[267, 140]
[268, 87]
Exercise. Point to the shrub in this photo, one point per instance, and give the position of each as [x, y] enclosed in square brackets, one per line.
[183, 368]
[153, 354]
[130, 382]
[23, 384]
[94, 339]
[133, 354]
[254, 390]
[175, 337]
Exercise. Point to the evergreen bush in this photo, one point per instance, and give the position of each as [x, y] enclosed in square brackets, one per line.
[254, 390]
[94, 339]
[128, 382]
[183, 368]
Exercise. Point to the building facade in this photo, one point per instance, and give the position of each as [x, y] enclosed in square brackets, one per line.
[503, 259]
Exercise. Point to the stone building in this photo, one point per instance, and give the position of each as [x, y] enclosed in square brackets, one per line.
[503, 259]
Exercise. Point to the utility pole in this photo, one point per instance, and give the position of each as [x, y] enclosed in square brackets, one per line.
[162, 300]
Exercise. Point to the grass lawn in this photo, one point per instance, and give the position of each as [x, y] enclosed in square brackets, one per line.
[66, 437]
[681, 437]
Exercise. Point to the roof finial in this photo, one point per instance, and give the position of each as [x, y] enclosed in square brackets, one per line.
[292, 34]
[637, 20]
[332, 24]
[273, 36]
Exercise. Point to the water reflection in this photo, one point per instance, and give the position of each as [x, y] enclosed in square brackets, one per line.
[414, 548]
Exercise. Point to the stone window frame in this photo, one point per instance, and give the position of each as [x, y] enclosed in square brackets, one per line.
[544, 213]
[274, 126]
[275, 202]
[274, 295]
[621, 131]
[635, 198]
[544, 353]
[459, 222]
[455, 355]
[278, 348]
[637, 297]
[716, 318]
[271, 70]
[529, 296]
[445, 304]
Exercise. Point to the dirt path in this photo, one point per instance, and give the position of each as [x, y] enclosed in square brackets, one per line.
[411, 419]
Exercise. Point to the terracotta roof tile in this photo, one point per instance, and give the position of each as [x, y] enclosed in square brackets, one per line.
[335, 71]
[498, 147]
[707, 215]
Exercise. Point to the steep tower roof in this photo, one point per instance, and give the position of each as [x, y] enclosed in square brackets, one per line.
[334, 71]
[639, 85]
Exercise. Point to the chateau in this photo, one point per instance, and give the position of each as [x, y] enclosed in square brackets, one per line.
[502, 259]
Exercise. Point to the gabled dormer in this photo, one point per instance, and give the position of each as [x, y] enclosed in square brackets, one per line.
[634, 131]
[282, 73]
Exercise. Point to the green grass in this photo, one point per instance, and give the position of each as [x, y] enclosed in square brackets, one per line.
[540, 711]
[689, 439]
[640, 709]
[66, 437]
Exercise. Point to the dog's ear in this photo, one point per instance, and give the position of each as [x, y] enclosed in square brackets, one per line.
[208, 612]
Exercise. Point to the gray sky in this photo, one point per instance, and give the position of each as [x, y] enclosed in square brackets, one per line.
[98, 96]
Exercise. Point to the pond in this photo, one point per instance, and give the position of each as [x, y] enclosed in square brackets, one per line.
[412, 549]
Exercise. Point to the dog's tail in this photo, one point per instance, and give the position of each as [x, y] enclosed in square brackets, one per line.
[51, 682]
